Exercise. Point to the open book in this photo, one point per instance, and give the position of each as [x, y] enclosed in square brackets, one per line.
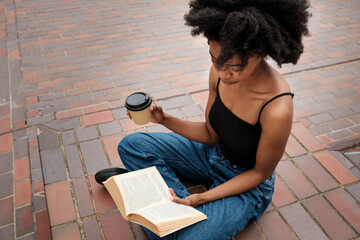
[143, 197]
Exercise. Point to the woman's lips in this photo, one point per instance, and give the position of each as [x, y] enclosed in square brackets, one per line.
[227, 82]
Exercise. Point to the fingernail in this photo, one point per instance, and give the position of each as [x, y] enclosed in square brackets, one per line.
[172, 198]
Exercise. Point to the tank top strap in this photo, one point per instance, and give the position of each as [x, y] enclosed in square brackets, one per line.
[217, 87]
[277, 96]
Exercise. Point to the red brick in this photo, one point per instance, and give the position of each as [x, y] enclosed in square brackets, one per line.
[4, 110]
[6, 142]
[77, 91]
[5, 125]
[281, 231]
[295, 180]
[282, 195]
[14, 55]
[96, 118]
[69, 113]
[2, 52]
[305, 122]
[249, 232]
[33, 113]
[113, 231]
[61, 209]
[38, 186]
[328, 218]
[21, 169]
[144, 50]
[83, 197]
[111, 144]
[317, 174]
[325, 139]
[346, 206]
[96, 108]
[306, 138]
[6, 211]
[18, 125]
[49, 83]
[335, 167]
[43, 225]
[200, 97]
[22, 193]
[102, 87]
[86, 83]
[80, 103]
[68, 231]
[293, 148]
[103, 200]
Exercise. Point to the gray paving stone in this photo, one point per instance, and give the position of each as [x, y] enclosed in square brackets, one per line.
[192, 110]
[88, 133]
[40, 120]
[94, 156]
[53, 166]
[20, 134]
[302, 224]
[354, 190]
[39, 202]
[109, 128]
[36, 175]
[176, 102]
[343, 160]
[64, 124]
[74, 161]
[341, 112]
[320, 118]
[31, 236]
[354, 157]
[120, 113]
[68, 137]
[20, 148]
[48, 138]
[6, 162]
[6, 188]
[7, 232]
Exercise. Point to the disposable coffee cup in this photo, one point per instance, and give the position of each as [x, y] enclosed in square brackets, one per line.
[138, 105]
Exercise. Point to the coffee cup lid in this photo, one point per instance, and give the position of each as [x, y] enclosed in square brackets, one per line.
[138, 101]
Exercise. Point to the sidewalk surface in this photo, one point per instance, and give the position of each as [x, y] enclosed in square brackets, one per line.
[66, 67]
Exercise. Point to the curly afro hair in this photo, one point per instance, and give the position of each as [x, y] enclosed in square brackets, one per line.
[247, 27]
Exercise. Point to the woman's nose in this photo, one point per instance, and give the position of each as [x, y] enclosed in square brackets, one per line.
[224, 73]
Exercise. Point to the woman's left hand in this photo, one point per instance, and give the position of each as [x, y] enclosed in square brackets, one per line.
[193, 200]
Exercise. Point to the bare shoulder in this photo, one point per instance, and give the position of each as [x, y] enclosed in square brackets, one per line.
[278, 114]
[213, 78]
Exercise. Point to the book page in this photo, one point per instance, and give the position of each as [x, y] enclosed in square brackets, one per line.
[142, 188]
[167, 211]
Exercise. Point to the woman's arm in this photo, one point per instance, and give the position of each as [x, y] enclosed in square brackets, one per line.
[196, 131]
[276, 126]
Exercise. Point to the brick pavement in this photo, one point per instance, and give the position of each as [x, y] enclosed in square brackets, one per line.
[66, 67]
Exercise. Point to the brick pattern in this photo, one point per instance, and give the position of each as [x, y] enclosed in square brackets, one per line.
[68, 82]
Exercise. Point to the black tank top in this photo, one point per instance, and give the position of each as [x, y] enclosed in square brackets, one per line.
[238, 139]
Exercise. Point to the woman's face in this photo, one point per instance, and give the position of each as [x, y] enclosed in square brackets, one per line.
[232, 72]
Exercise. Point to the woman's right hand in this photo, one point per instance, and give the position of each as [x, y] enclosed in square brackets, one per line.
[157, 114]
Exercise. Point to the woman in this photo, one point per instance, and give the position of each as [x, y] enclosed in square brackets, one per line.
[248, 115]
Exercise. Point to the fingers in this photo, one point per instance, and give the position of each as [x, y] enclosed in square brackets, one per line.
[176, 199]
[155, 108]
[172, 192]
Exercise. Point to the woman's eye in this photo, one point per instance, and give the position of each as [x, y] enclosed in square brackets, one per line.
[237, 68]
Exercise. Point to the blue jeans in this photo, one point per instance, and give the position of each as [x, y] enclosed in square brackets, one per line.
[177, 157]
